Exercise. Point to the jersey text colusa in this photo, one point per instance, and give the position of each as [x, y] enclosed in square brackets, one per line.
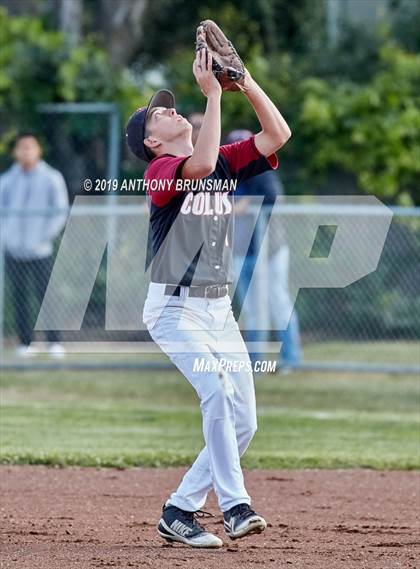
[203, 203]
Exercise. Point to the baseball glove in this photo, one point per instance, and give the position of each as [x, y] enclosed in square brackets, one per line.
[227, 65]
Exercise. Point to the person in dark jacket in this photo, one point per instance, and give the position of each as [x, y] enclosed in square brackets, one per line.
[270, 187]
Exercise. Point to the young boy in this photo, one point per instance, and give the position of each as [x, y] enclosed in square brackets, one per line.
[187, 310]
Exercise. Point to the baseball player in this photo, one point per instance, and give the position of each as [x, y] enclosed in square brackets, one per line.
[187, 310]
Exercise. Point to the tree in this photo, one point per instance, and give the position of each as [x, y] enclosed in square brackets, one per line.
[370, 130]
[39, 66]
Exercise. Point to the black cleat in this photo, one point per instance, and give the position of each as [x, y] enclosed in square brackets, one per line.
[241, 520]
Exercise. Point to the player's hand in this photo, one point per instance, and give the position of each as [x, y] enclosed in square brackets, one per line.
[248, 82]
[202, 69]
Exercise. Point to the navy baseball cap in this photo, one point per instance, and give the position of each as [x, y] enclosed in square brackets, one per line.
[135, 131]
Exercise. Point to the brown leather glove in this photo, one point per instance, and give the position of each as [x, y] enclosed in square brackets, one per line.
[227, 65]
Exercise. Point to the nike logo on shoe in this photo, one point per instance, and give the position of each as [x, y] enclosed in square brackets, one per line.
[180, 528]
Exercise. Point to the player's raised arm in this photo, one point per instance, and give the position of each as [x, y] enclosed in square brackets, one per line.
[204, 157]
[275, 130]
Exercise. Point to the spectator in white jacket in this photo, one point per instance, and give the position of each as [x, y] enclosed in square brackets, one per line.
[34, 204]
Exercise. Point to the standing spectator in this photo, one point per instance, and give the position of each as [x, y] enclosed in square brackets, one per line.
[269, 186]
[33, 192]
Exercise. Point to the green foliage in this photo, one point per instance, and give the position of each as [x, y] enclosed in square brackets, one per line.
[271, 27]
[82, 74]
[29, 58]
[353, 108]
[371, 130]
[37, 65]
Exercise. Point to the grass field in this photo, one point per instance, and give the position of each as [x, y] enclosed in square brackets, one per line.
[153, 419]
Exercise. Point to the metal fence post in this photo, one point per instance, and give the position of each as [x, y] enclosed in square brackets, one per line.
[113, 168]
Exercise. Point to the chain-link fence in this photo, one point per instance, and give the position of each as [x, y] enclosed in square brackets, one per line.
[334, 282]
[326, 283]
[361, 310]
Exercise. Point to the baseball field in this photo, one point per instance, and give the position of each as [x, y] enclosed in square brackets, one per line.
[139, 187]
[332, 467]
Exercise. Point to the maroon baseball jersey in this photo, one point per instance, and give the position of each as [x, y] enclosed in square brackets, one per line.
[191, 232]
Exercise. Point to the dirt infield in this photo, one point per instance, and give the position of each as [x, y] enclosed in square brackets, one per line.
[88, 518]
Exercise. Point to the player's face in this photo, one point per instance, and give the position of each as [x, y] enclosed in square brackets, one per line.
[166, 124]
[27, 152]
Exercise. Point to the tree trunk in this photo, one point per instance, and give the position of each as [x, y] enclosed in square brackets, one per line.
[121, 22]
[70, 19]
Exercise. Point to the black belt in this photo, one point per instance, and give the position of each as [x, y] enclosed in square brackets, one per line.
[203, 291]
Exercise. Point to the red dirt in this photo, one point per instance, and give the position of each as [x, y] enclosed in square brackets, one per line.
[98, 518]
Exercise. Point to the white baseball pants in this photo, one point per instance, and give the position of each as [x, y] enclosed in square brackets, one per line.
[189, 329]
